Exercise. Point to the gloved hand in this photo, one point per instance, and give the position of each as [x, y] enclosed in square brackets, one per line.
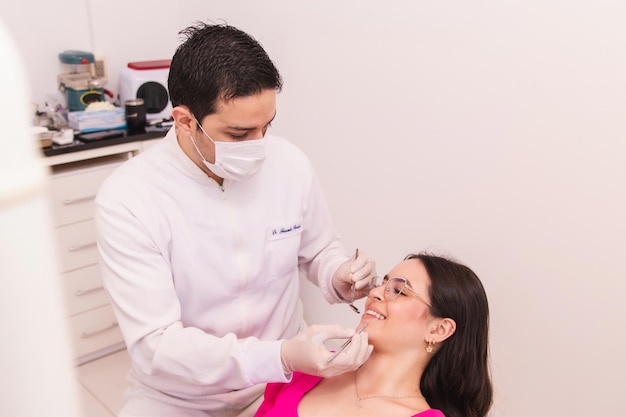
[306, 352]
[361, 271]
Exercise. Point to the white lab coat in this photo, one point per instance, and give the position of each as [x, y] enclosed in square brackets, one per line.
[204, 279]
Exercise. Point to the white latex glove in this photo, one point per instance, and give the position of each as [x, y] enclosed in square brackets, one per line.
[306, 352]
[361, 271]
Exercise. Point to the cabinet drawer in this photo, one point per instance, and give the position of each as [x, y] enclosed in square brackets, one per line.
[94, 330]
[83, 290]
[72, 195]
[77, 245]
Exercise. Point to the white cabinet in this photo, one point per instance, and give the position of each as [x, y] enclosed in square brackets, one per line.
[74, 181]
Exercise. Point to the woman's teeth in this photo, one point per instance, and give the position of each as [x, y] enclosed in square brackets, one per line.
[375, 314]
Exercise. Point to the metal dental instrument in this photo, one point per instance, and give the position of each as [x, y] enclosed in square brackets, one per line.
[346, 343]
[353, 289]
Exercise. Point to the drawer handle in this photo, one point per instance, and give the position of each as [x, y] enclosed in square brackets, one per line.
[74, 248]
[86, 335]
[70, 201]
[79, 293]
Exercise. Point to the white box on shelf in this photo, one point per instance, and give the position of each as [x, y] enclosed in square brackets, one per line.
[92, 121]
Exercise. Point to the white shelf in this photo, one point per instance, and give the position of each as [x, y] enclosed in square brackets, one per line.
[129, 149]
[101, 364]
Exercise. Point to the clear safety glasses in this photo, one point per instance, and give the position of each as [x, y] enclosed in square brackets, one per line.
[396, 286]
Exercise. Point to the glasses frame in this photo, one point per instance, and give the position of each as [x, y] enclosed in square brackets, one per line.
[387, 291]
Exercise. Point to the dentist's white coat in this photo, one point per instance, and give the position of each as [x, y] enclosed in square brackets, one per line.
[204, 279]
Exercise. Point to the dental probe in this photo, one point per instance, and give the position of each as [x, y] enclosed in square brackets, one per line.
[353, 289]
[346, 343]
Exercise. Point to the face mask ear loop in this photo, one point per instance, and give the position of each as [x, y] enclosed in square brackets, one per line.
[197, 149]
[202, 129]
[194, 142]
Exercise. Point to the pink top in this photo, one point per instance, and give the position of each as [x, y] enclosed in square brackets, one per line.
[281, 400]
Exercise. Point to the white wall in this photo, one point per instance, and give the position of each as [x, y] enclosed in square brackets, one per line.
[489, 130]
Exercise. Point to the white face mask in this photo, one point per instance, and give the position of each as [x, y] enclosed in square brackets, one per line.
[235, 160]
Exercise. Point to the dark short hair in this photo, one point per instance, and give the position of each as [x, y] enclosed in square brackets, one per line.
[218, 62]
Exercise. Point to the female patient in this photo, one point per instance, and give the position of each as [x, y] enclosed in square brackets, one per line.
[428, 320]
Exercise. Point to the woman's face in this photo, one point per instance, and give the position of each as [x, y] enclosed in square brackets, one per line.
[400, 323]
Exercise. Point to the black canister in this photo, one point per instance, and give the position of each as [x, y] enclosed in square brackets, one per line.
[135, 116]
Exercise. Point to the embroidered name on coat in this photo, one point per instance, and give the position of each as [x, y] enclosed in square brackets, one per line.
[285, 231]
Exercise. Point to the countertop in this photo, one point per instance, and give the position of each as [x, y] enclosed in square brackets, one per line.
[77, 145]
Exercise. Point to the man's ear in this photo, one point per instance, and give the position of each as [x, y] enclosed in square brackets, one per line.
[183, 119]
[443, 329]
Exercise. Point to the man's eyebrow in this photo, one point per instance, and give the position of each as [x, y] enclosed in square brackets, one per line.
[246, 129]
[243, 129]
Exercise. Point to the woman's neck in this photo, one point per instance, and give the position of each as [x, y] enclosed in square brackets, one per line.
[389, 375]
[384, 385]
